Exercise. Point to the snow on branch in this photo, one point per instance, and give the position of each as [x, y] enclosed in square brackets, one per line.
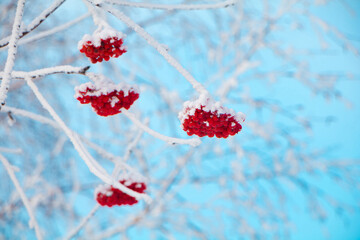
[170, 7]
[52, 31]
[11, 150]
[159, 47]
[98, 15]
[82, 223]
[119, 163]
[192, 142]
[92, 164]
[66, 69]
[32, 223]
[36, 22]
[5, 83]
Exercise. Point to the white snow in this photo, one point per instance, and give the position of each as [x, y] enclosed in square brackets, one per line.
[96, 37]
[132, 177]
[103, 87]
[103, 189]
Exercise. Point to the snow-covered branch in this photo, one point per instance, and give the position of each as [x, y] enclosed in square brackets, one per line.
[170, 7]
[5, 83]
[159, 47]
[65, 69]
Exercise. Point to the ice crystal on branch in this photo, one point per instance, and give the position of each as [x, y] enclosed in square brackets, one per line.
[205, 117]
[106, 98]
[102, 45]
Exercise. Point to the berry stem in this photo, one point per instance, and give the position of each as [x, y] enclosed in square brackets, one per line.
[192, 142]
[155, 44]
[98, 16]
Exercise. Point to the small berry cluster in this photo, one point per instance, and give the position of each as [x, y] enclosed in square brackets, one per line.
[110, 196]
[207, 118]
[102, 46]
[106, 99]
[204, 123]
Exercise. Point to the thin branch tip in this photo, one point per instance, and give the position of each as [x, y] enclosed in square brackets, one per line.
[84, 70]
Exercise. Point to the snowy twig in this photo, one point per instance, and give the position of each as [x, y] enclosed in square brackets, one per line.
[193, 142]
[5, 83]
[159, 47]
[53, 30]
[82, 223]
[32, 223]
[170, 7]
[66, 69]
[11, 150]
[120, 162]
[36, 22]
[98, 15]
[93, 165]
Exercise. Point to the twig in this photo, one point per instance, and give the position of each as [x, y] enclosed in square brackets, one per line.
[170, 7]
[32, 223]
[193, 142]
[66, 69]
[82, 223]
[52, 31]
[5, 83]
[11, 150]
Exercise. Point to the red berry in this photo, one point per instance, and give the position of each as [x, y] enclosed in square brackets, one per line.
[106, 98]
[204, 117]
[102, 45]
[109, 196]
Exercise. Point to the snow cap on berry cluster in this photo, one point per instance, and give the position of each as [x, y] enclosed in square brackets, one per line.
[131, 177]
[209, 105]
[103, 87]
[104, 189]
[97, 36]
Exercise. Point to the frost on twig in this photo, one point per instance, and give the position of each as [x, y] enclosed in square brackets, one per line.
[66, 69]
[36, 22]
[169, 7]
[5, 83]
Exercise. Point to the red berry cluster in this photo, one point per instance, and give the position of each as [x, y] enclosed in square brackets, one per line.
[113, 196]
[109, 103]
[206, 123]
[109, 47]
